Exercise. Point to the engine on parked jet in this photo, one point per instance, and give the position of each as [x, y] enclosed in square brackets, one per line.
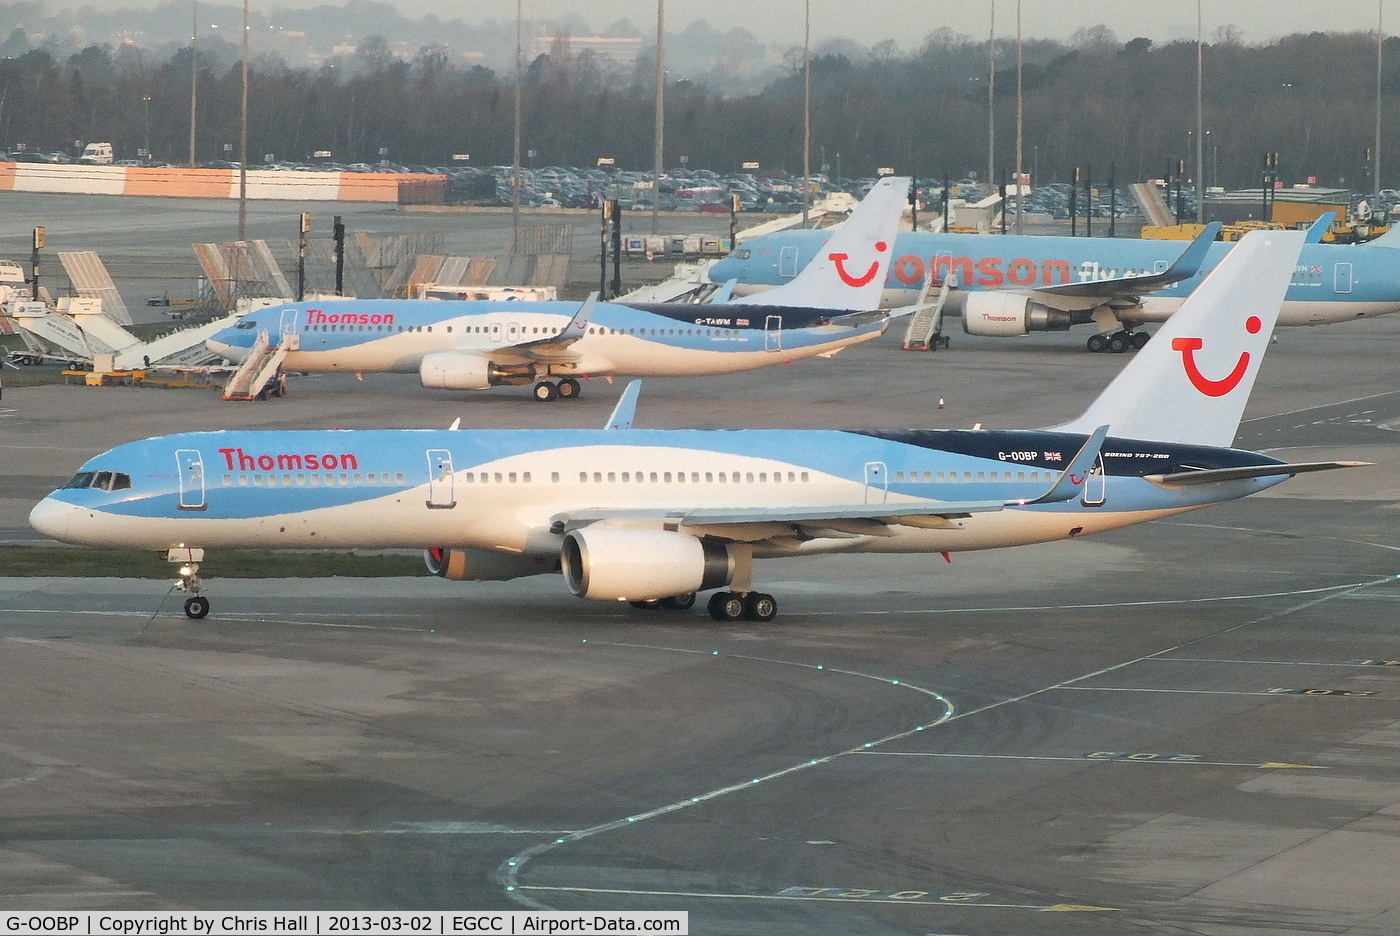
[483, 565]
[453, 370]
[642, 565]
[1007, 315]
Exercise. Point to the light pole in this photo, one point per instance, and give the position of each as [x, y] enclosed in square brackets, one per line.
[1380, 44]
[660, 115]
[194, 73]
[146, 105]
[807, 113]
[243, 139]
[1200, 137]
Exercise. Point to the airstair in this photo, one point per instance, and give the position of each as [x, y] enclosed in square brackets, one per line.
[925, 331]
[1152, 205]
[259, 368]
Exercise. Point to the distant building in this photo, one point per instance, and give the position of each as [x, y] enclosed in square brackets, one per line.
[622, 52]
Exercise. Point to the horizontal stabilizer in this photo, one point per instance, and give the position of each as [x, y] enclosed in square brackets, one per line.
[1213, 475]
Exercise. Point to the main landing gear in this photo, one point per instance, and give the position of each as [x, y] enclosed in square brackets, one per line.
[741, 601]
[1118, 342]
[723, 606]
[566, 389]
[196, 606]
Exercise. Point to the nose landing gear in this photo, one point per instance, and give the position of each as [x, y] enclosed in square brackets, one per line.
[196, 606]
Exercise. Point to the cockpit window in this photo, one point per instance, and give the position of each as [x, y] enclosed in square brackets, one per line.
[743, 253]
[246, 324]
[102, 480]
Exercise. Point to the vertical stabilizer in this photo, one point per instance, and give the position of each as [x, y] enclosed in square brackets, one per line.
[848, 273]
[1192, 381]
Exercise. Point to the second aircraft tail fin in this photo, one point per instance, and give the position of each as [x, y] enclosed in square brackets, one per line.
[848, 273]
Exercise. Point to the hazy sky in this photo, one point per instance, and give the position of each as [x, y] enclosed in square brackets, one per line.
[908, 21]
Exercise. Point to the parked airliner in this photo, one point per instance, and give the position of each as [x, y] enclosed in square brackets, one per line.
[655, 516]
[1009, 285]
[476, 345]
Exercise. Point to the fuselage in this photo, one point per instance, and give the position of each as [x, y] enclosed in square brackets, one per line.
[505, 490]
[1331, 282]
[654, 340]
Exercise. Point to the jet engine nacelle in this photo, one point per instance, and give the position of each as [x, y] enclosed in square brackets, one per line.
[641, 565]
[483, 565]
[1010, 315]
[455, 370]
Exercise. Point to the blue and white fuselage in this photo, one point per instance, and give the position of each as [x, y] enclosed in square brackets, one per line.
[518, 491]
[1010, 285]
[505, 337]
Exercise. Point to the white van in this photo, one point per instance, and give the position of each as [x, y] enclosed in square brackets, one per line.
[97, 154]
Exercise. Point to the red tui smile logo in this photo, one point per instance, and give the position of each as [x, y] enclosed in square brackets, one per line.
[855, 282]
[1214, 388]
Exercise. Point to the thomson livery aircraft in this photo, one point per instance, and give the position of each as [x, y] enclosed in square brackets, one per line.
[1010, 285]
[654, 516]
[476, 345]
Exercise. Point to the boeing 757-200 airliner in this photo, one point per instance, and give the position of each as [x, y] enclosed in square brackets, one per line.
[655, 516]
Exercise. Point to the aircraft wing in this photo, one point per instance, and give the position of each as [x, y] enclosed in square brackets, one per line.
[754, 524]
[1186, 266]
[554, 347]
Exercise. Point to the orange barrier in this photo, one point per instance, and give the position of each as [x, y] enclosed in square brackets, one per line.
[178, 182]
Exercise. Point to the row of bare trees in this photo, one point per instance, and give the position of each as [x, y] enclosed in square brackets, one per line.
[1310, 98]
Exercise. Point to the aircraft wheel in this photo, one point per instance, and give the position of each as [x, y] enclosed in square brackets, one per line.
[1140, 340]
[545, 391]
[679, 602]
[726, 606]
[1118, 344]
[646, 604]
[196, 607]
[760, 607]
[569, 389]
[1097, 343]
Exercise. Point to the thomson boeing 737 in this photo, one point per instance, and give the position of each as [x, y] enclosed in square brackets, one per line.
[1009, 285]
[654, 516]
[476, 345]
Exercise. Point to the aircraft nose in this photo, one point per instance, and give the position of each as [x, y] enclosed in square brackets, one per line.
[51, 518]
[221, 346]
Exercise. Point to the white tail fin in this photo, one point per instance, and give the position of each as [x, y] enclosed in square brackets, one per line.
[848, 272]
[1190, 384]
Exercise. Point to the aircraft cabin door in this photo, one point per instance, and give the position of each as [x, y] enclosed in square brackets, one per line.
[773, 333]
[787, 263]
[289, 327]
[189, 466]
[877, 482]
[494, 331]
[440, 496]
[1095, 486]
[1341, 280]
[513, 332]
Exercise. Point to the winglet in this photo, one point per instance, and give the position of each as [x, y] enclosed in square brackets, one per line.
[1319, 227]
[626, 409]
[1189, 263]
[1071, 480]
[579, 323]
